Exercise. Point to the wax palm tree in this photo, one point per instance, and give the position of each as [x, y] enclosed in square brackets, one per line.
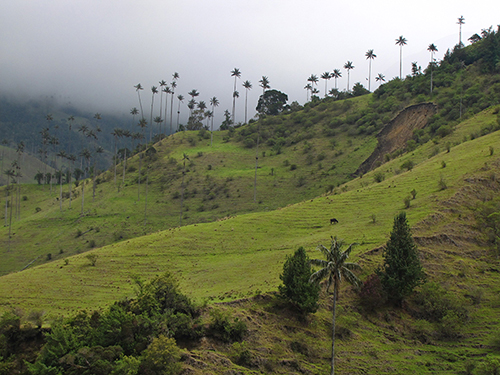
[432, 48]
[236, 74]
[236, 95]
[162, 84]
[173, 85]
[248, 86]
[192, 103]
[370, 56]
[158, 120]
[180, 99]
[401, 41]
[308, 89]
[326, 76]
[214, 102]
[138, 89]
[167, 90]
[348, 66]
[72, 159]
[335, 269]
[63, 155]
[264, 83]
[85, 155]
[142, 125]
[314, 81]
[380, 78]
[154, 91]
[336, 74]
[116, 133]
[460, 22]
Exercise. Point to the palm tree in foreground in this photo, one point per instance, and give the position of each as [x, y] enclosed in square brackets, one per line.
[401, 41]
[335, 268]
[326, 76]
[236, 73]
[370, 56]
[336, 74]
[264, 83]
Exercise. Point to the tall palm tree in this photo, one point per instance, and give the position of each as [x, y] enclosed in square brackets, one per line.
[308, 89]
[180, 99]
[214, 102]
[134, 111]
[380, 78]
[162, 84]
[172, 93]
[167, 90]
[336, 74]
[335, 268]
[72, 159]
[348, 66]
[460, 22]
[370, 56]
[138, 89]
[154, 91]
[264, 83]
[236, 95]
[193, 93]
[326, 76]
[401, 41]
[432, 48]
[314, 81]
[142, 124]
[85, 155]
[248, 86]
[62, 154]
[236, 74]
[116, 133]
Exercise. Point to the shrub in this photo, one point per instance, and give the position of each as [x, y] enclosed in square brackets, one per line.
[408, 165]
[296, 287]
[413, 193]
[222, 328]
[407, 201]
[442, 184]
[161, 357]
[92, 258]
[379, 176]
[372, 294]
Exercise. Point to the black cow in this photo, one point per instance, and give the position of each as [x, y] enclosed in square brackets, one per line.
[334, 221]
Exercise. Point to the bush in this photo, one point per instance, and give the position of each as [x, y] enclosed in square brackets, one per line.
[379, 176]
[161, 357]
[92, 258]
[296, 287]
[227, 331]
[372, 294]
[408, 165]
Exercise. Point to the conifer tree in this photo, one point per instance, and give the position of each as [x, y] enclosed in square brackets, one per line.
[296, 287]
[401, 271]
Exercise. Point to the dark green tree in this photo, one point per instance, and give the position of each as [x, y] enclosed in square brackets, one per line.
[272, 102]
[296, 287]
[401, 271]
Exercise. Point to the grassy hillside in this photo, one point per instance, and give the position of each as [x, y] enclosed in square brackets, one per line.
[210, 259]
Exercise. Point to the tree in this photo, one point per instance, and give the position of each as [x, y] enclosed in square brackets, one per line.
[272, 102]
[296, 287]
[358, 90]
[335, 268]
[401, 41]
[370, 56]
[401, 271]
[336, 74]
[460, 22]
[380, 78]
[248, 86]
[308, 88]
[416, 70]
[138, 88]
[326, 76]
[214, 102]
[264, 83]
[162, 84]
[236, 74]
[348, 66]
[174, 85]
[432, 48]
[154, 91]
[313, 79]
[180, 99]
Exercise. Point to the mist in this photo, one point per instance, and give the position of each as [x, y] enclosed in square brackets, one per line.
[91, 53]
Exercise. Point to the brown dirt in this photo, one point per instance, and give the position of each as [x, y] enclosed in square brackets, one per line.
[397, 132]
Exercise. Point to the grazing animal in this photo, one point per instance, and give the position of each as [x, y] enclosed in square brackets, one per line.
[333, 221]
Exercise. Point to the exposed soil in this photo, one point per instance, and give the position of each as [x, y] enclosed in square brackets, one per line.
[397, 132]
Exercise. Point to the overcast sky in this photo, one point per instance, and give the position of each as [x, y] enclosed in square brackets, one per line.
[92, 52]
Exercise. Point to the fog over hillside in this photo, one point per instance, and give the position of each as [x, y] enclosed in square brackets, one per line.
[91, 53]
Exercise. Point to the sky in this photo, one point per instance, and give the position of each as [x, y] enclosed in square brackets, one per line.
[91, 53]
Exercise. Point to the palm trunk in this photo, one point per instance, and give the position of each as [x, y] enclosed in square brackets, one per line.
[124, 164]
[332, 372]
[246, 106]
[69, 185]
[60, 190]
[172, 111]
[146, 199]
[115, 159]
[83, 194]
